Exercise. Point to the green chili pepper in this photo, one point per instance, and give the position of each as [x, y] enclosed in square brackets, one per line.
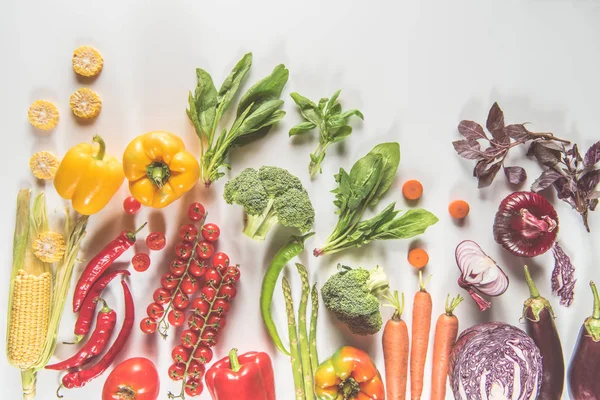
[291, 249]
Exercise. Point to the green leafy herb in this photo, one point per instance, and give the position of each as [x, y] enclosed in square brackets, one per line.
[368, 181]
[258, 109]
[331, 121]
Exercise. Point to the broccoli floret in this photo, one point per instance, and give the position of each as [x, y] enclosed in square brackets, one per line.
[352, 295]
[270, 196]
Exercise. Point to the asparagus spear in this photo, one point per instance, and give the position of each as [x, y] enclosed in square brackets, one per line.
[294, 353]
[302, 333]
[314, 358]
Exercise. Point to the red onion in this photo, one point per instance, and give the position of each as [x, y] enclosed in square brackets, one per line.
[479, 272]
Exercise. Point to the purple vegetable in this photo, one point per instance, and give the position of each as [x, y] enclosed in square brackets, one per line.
[495, 360]
[479, 272]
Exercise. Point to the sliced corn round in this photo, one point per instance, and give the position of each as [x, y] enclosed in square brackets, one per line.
[87, 61]
[85, 103]
[43, 115]
[49, 247]
[44, 165]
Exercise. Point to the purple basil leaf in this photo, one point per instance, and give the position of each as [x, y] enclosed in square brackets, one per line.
[515, 175]
[544, 155]
[565, 189]
[592, 156]
[480, 167]
[494, 152]
[518, 132]
[467, 149]
[563, 276]
[593, 204]
[486, 177]
[471, 130]
[546, 179]
[594, 195]
[589, 181]
[495, 121]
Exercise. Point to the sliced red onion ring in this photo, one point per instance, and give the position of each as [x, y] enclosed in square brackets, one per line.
[480, 273]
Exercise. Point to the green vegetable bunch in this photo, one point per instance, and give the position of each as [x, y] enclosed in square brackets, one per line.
[258, 109]
[368, 180]
[331, 121]
[353, 296]
[269, 196]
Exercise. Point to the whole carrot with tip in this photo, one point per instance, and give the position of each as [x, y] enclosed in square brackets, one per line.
[395, 350]
[421, 326]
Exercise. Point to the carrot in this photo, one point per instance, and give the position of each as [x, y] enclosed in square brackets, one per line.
[421, 325]
[412, 189]
[418, 258]
[458, 209]
[446, 331]
[395, 351]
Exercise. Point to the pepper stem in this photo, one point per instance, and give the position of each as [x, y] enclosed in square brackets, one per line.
[131, 235]
[349, 389]
[102, 149]
[533, 291]
[105, 308]
[158, 172]
[234, 361]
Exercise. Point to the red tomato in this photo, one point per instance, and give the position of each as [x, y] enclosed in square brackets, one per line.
[189, 285]
[193, 387]
[205, 250]
[211, 232]
[176, 371]
[169, 281]
[176, 317]
[228, 291]
[180, 354]
[178, 266]
[189, 338]
[221, 306]
[136, 377]
[148, 325]
[162, 296]
[197, 269]
[196, 211]
[181, 300]
[209, 336]
[233, 274]
[183, 250]
[203, 354]
[195, 322]
[196, 370]
[218, 322]
[213, 277]
[156, 241]
[131, 205]
[208, 293]
[141, 262]
[220, 260]
[200, 306]
[188, 232]
[155, 311]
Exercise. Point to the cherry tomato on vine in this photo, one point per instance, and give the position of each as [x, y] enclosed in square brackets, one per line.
[156, 241]
[135, 378]
[177, 266]
[220, 260]
[196, 268]
[189, 285]
[196, 211]
[208, 293]
[181, 300]
[188, 232]
[141, 262]
[176, 317]
[228, 291]
[195, 322]
[148, 325]
[183, 250]
[131, 205]
[213, 277]
[162, 295]
[169, 281]
[180, 354]
[220, 306]
[196, 370]
[217, 321]
[155, 311]
[189, 338]
[205, 250]
[211, 232]
[203, 353]
[200, 306]
[176, 371]
[209, 336]
[193, 387]
[233, 274]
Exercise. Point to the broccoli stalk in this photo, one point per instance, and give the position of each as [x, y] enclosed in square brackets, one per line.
[257, 226]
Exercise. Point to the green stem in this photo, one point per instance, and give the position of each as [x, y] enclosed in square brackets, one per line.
[312, 340]
[302, 333]
[131, 235]
[592, 324]
[396, 303]
[349, 388]
[319, 155]
[533, 290]
[102, 149]
[28, 383]
[159, 173]
[451, 305]
[234, 361]
[596, 314]
[294, 353]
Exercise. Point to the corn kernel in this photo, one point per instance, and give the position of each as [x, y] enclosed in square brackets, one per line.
[87, 61]
[43, 115]
[44, 165]
[85, 103]
[49, 247]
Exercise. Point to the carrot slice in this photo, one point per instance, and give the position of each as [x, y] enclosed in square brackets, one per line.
[458, 209]
[418, 258]
[412, 190]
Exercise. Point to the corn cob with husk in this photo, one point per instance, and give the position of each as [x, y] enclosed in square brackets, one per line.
[38, 286]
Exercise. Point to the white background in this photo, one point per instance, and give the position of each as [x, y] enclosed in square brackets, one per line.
[414, 69]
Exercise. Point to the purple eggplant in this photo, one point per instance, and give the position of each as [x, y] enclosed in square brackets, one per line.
[583, 375]
[539, 322]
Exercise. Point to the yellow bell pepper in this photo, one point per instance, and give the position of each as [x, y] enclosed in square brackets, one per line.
[88, 177]
[159, 168]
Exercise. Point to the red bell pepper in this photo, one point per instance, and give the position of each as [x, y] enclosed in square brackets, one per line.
[245, 377]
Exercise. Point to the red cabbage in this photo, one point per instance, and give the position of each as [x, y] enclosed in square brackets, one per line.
[495, 361]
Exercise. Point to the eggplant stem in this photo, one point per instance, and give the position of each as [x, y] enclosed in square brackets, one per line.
[596, 314]
[533, 290]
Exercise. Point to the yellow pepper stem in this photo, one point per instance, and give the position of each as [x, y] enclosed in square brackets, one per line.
[158, 172]
[102, 150]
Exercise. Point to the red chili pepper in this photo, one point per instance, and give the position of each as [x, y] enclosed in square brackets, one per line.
[86, 312]
[81, 377]
[100, 263]
[245, 377]
[105, 324]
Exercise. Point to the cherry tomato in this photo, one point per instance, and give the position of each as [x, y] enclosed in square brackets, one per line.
[211, 232]
[148, 325]
[183, 250]
[220, 306]
[203, 354]
[209, 336]
[213, 277]
[189, 338]
[205, 250]
[162, 295]
[176, 317]
[193, 387]
[228, 291]
[188, 232]
[208, 293]
[176, 371]
[181, 300]
[135, 378]
[196, 370]
[141, 262]
[217, 322]
[196, 211]
[156, 241]
[196, 268]
[155, 311]
[200, 306]
[169, 281]
[180, 354]
[189, 285]
[220, 259]
[131, 205]
[195, 322]
[177, 266]
[233, 274]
